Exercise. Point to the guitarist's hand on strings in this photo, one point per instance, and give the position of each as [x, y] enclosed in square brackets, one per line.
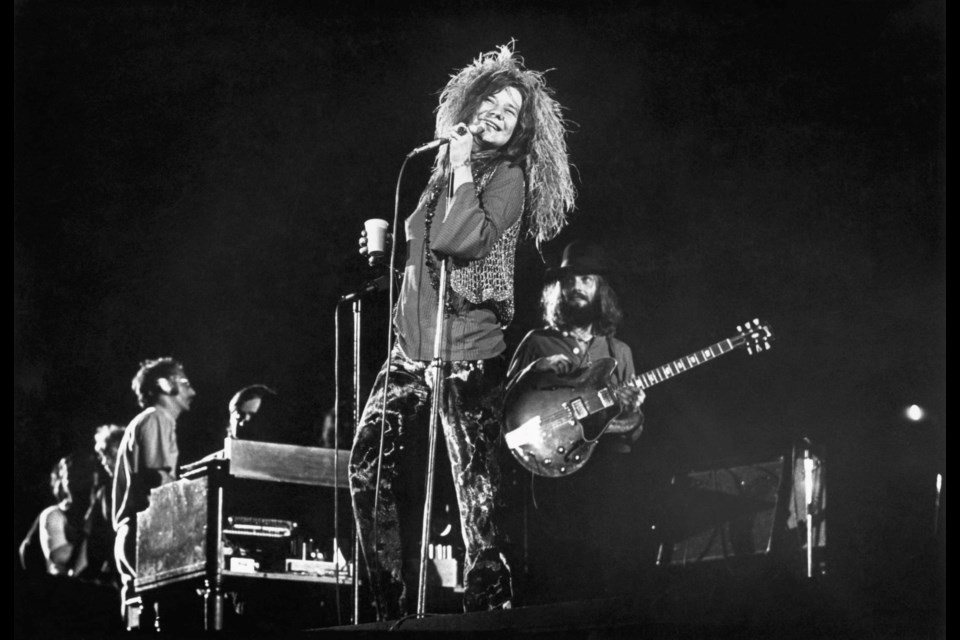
[631, 398]
[629, 422]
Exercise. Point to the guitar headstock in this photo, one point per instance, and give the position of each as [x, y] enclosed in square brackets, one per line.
[756, 336]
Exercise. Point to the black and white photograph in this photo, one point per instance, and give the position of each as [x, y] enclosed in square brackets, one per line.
[517, 319]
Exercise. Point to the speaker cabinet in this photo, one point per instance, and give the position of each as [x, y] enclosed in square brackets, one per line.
[725, 512]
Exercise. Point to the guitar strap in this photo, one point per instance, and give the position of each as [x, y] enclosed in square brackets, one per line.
[585, 357]
[616, 372]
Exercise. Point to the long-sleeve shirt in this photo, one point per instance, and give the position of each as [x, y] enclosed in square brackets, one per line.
[541, 343]
[468, 231]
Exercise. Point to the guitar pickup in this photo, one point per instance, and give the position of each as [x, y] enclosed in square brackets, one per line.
[578, 409]
[606, 398]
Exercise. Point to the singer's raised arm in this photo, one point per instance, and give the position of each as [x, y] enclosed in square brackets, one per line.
[471, 228]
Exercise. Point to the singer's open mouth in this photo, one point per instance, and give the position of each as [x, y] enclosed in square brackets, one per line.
[490, 124]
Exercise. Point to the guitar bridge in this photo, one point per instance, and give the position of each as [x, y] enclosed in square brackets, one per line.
[578, 408]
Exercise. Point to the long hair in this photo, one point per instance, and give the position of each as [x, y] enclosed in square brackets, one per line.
[606, 306]
[538, 144]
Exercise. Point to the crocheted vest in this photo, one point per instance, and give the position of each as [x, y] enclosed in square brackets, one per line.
[490, 279]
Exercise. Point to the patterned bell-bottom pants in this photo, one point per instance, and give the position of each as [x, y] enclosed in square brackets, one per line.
[390, 539]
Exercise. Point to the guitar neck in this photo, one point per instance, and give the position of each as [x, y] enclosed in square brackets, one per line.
[695, 359]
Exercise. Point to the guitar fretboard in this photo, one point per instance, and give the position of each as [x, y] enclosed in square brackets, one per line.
[671, 369]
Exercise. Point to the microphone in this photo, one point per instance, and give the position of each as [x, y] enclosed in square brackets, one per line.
[439, 142]
[375, 285]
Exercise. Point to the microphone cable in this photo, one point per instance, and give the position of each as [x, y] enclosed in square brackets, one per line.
[336, 461]
[391, 270]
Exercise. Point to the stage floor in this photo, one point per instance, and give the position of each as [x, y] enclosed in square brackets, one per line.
[711, 601]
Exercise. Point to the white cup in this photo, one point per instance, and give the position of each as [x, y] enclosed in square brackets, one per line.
[376, 229]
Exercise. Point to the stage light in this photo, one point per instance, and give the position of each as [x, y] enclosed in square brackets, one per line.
[915, 413]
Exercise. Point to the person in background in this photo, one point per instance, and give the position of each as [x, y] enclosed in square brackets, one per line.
[580, 314]
[66, 558]
[587, 514]
[64, 528]
[323, 430]
[107, 440]
[249, 413]
[106, 444]
[147, 456]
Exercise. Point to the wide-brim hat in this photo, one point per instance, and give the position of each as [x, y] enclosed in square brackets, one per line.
[580, 258]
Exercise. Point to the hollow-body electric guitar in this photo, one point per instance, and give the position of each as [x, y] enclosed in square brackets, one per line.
[552, 422]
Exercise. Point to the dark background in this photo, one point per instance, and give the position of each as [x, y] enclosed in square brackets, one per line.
[190, 179]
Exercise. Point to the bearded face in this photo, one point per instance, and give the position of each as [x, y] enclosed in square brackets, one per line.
[579, 303]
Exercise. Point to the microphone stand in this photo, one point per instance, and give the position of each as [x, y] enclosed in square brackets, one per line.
[437, 366]
[355, 298]
[356, 421]
[808, 467]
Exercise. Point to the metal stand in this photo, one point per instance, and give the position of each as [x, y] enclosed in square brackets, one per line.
[437, 366]
[356, 421]
[808, 467]
[213, 595]
[212, 608]
[814, 494]
[355, 581]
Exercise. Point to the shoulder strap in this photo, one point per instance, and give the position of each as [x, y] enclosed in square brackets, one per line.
[610, 353]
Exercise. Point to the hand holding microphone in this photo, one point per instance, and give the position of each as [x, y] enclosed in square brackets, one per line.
[459, 131]
[461, 145]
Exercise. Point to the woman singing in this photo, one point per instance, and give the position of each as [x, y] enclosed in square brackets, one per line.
[505, 169]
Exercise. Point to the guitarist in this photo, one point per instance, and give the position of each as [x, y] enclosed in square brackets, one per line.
[581, 314]
[583, 525]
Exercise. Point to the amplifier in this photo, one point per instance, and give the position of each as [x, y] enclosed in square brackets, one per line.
[725, 512]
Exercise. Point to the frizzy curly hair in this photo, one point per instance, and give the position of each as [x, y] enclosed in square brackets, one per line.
[538, 144]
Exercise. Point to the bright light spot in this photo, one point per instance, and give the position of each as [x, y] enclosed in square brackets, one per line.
[446, 530]
[808, 467]
[915, 413]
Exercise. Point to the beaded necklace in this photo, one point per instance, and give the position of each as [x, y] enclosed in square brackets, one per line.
[482, 172]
